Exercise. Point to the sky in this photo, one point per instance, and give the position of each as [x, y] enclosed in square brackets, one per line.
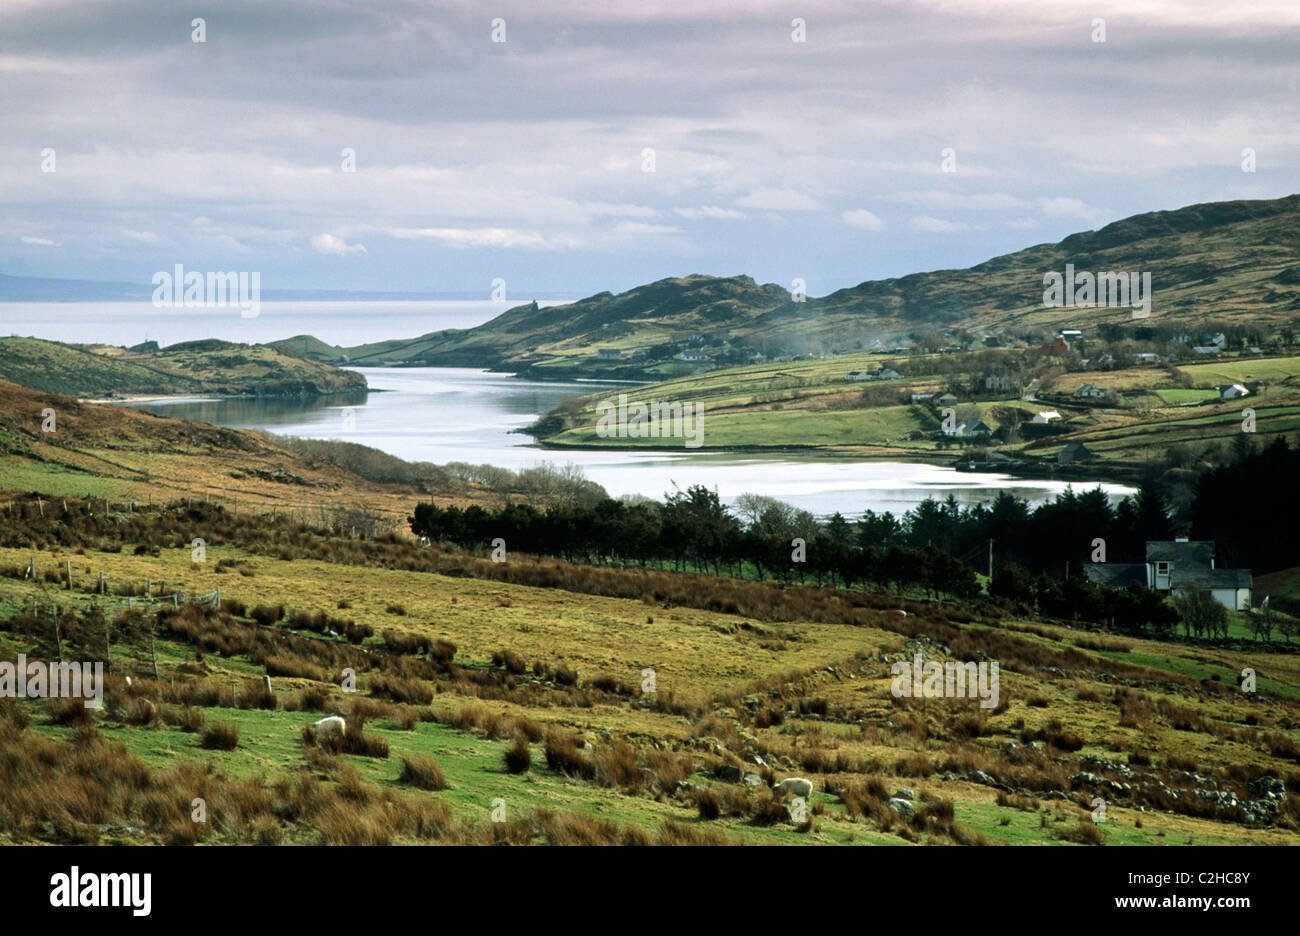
[603, 145]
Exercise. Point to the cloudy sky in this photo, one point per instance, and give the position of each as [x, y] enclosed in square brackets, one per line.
[529, 159]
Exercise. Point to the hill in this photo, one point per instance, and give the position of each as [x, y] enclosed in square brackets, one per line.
[114, 451]
[210, 368]
[1230, 261]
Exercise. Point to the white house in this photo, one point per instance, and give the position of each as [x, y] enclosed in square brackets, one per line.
[1046, 416]
[1179, 568]
[1232, 391]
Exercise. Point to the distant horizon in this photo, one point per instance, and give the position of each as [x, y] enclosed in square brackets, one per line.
[518, 296]
[355, 148]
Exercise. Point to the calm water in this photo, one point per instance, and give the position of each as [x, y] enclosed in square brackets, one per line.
[453, 414]
[445, 414]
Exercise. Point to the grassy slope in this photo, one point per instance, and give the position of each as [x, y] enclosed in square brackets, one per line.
[1222, 259]
[209, 368]
[696, 654]
[128, 454]
[808, 404]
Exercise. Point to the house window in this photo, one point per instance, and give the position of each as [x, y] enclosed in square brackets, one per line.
[1162, 568]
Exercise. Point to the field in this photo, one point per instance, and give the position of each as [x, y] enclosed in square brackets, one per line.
[809, 405]
[749, 679]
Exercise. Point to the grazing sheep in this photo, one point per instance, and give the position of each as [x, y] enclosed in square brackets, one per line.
[796, 785]
[332, 723]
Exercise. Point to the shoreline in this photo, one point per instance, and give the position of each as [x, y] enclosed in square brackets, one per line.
[1096, 474]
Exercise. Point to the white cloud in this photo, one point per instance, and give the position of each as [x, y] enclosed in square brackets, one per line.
[711, 213]
[481, 237]
[1063, 207]
[861, 218]
[329, 244]
[640, 227]
[928, 225]
[1022, 224]
[770, 199]
[980, 201]
[40, 241]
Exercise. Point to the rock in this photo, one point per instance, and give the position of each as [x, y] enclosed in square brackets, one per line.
[753, 780]
[903, 807]
[979, 776]
[729, 774]
[905, 793]
[1267, 787]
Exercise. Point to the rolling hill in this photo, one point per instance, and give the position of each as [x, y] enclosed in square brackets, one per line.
[1221, 260]
[210, 368]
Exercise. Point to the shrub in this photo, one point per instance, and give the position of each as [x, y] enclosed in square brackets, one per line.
[518, 756]
[511, 662]
[266, 615]
[422, 772]
[220, 736]
[562, 756]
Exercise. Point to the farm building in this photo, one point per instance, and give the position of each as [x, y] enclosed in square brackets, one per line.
[1072, 453]
[1179, 568]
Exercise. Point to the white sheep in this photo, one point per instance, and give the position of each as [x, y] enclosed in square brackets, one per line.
[332, 723]
[796, 785]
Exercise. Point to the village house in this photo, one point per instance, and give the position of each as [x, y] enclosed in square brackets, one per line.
[1232, 391]
[946, 399]
[919, 397]
[888, 373]
[973, 429]
[856, 375]
[1146, 357]
[606, 354]
[1075, 451]
[1046, 416]
[1179, 568]
[1088, 391]
[998, 382]
[694, 356]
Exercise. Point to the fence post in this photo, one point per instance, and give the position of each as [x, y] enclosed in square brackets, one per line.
[69, 574]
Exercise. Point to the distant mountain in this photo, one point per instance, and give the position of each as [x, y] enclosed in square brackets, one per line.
[1219, 260]
[210, 367]
[38, 289]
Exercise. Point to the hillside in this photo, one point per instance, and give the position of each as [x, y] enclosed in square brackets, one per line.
[525, 683]
[209, 368]
[1167, 416]
[1229, 261]
[123, 453]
